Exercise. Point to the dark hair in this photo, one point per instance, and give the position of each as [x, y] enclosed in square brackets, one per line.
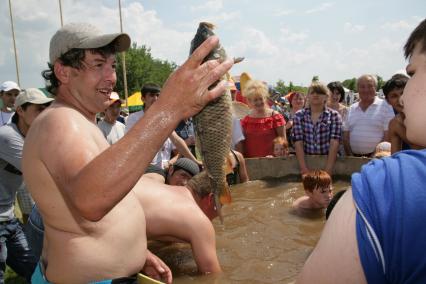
[150, 88]
[398, 81]
[15, 117]
[73, 58]
[316, 178]
[333, 203]
[416, 37]
[337, 86]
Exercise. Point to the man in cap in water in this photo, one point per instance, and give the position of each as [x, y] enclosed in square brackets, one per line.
[178, 172]
[94, 224]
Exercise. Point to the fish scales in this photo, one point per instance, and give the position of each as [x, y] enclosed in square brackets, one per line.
[213, 126]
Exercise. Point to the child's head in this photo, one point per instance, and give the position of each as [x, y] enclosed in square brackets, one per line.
[318, 187]
[280, 147]
[393, 90]
[383, 149]
[414, 98]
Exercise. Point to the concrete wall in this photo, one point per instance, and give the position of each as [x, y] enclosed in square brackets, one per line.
[263, 168]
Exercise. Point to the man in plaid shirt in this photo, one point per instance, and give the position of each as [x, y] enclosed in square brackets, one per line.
[317, 129]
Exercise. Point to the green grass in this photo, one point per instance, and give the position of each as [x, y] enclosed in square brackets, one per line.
[11, 277]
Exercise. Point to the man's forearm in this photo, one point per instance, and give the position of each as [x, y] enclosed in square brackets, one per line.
[332, 155]
[181, 146]
[346, 143]
[96, 193]
[300, 155]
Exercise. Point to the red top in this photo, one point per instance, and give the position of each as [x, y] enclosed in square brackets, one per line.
[259, 133]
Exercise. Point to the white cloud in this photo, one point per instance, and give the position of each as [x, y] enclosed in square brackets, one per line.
[320, 8]
[398, 25]
[283, 13]
[352, 28]
[210, 6]
[289, 36]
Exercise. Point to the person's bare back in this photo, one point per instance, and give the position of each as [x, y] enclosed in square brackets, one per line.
[172, 214]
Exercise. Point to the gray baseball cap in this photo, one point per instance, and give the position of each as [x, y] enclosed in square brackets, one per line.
[187, 165]
[84, 36]
[33, 96]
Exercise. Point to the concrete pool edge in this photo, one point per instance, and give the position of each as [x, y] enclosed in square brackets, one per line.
[267, 168]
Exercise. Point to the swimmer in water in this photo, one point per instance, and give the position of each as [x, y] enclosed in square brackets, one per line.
[318, 192]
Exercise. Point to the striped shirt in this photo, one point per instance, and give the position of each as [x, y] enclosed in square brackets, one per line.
[316, 137]
[366, 128]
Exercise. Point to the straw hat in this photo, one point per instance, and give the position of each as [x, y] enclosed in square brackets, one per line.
[244, 78]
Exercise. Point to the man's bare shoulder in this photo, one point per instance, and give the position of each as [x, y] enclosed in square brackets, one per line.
[61, 123]
[337, 249]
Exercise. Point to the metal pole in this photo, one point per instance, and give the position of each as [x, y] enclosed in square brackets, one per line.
[60, 13]
[14, 43]
[123, 59]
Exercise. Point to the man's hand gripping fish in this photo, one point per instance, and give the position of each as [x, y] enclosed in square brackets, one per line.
[213, 126]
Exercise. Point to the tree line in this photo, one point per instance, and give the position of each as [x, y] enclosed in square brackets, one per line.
[143, 68]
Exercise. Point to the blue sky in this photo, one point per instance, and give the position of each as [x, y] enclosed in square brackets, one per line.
[288, 40]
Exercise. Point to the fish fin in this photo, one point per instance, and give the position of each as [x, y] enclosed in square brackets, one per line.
[218, 208]
[208, 25]
[238, 59]
[225, 195]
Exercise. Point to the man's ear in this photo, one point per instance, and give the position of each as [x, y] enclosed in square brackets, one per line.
[19, 111]
[170, 170]
[62, 72]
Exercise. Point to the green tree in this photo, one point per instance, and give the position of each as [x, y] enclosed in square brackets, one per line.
[141, 68]
[380, 82]
[350, 84]
[315, 78]
[290, 86]
[280, 87]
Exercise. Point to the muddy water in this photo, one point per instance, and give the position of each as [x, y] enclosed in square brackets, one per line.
[261, 240]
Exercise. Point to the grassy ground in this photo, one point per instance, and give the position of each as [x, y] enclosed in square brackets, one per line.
[12, 278]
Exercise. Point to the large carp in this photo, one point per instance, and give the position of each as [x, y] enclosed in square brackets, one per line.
[213, 127]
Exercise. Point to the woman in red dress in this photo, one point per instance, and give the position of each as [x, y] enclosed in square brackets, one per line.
[262, 125]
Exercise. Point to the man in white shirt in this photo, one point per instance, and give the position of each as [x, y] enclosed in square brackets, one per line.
[367, 121]
[9, 90]
[112, 129]
[150, 94]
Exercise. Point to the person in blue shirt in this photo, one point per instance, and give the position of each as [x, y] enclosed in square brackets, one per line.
[377, 231]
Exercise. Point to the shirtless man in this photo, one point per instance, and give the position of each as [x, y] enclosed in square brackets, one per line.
[94, 223]
[377, 231]
[183, 214]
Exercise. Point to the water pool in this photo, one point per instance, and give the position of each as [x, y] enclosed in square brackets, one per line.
[261, 240]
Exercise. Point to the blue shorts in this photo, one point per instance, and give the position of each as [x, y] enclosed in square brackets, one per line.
[39, 278]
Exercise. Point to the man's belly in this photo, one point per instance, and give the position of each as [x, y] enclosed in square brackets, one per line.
[115, 247]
